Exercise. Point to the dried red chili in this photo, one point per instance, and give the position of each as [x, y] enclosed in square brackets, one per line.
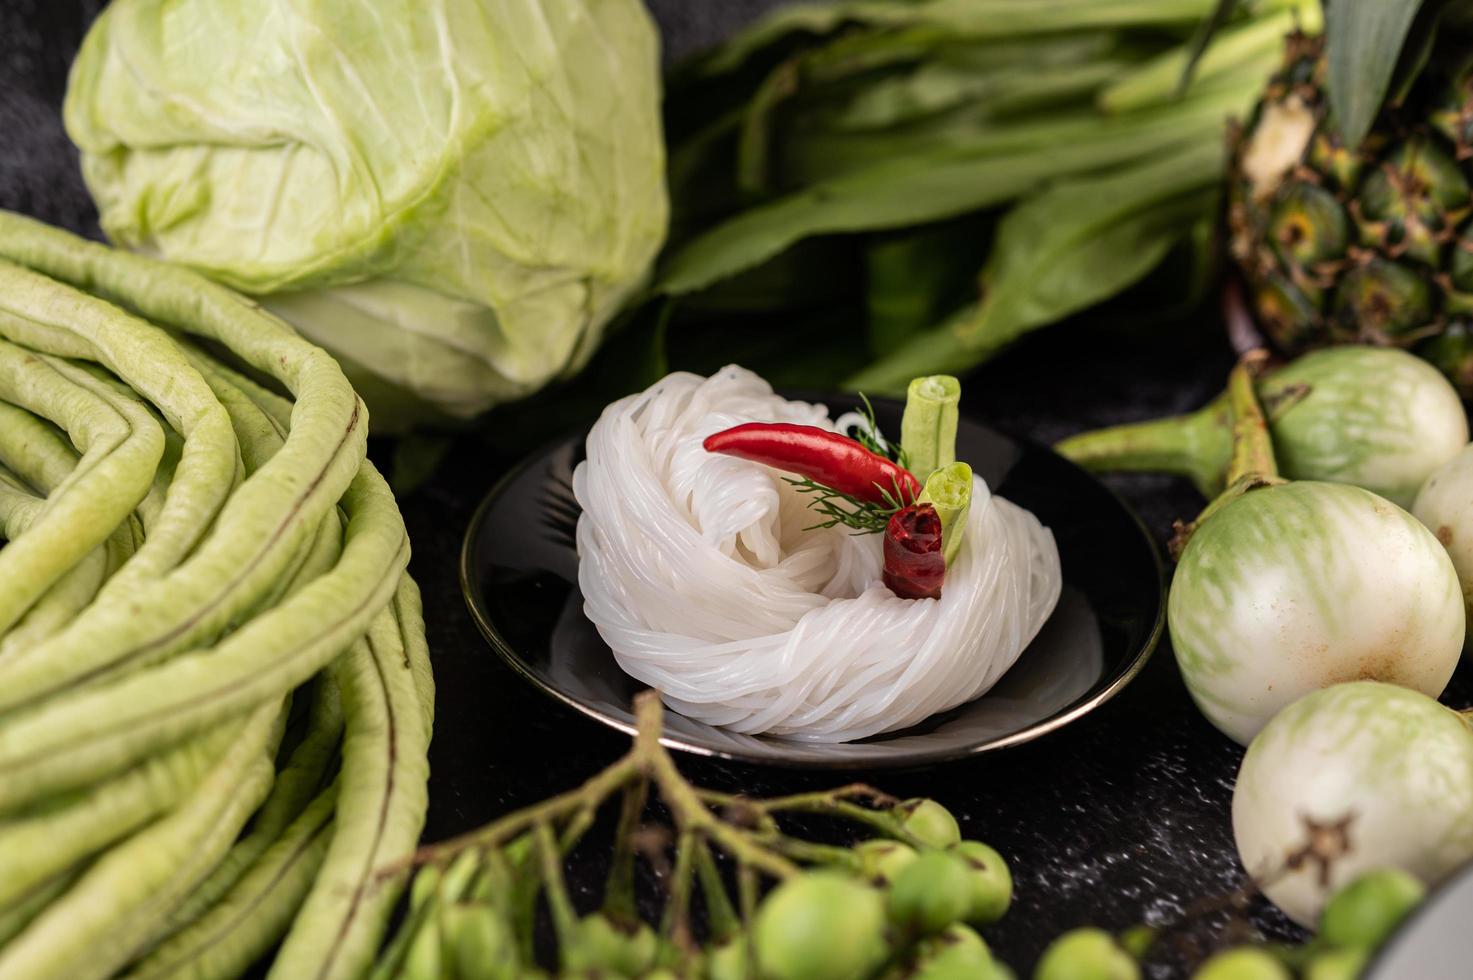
[825, 457]
[915, 564]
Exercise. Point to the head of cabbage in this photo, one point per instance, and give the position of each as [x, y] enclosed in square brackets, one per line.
[453, 196]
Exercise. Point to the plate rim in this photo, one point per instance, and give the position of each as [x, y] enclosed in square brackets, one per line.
[900, 760]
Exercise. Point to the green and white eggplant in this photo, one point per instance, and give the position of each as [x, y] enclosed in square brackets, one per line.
[1284, 588]
[1445, 505]
[1353, 778]
[1374, 417]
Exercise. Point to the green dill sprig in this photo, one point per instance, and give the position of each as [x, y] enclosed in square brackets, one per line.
[869, 436]
[860, 515]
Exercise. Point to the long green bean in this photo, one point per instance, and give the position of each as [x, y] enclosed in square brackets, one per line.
[381, 810]
[90, 733]
[142, 687]
[20, 506]
[306, 772]
[119, 455]
[37, 846]
[261, 436]
[29, 442]
[71, 594]
[20, 913]
[94, 928]
[255, 535]
[255, 912]
[44, 315]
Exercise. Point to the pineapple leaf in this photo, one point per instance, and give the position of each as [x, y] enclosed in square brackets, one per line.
[1364, 40]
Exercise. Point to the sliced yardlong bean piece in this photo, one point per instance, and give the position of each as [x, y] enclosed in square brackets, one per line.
[255, 913]
[118, 460]
[36, 847]
[95, 928]
[257, 532]
[307, 771]
[76, 739]
[381, 811]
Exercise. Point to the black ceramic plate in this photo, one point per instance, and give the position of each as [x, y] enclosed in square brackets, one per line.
[519, 572]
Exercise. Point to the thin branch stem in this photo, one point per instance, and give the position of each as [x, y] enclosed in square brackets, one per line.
[676, 924]
[720, 914]
[619, 892]
[589, 795]
[564, 915]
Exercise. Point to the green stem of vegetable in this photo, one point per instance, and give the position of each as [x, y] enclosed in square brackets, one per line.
[686, 806]
[810, 853]
[928, 427]
[1253, 451]
[1197, 445]
[949, 490]
[550, 859]
[619, 891]
[721, 917]
[1252, 464]
[499, 832]
[1260, 40]
[675, 925]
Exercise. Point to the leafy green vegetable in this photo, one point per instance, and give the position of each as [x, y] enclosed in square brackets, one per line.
[1257, 43]
[1059, 252]
[987, 170]
[1052, 144]
[456, 195]
[914, 279]
[1082, 241]
[971, 18]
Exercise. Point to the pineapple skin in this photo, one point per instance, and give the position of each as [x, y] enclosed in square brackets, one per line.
[1373, 245]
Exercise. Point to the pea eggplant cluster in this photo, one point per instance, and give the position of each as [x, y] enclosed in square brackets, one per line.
[905, 903]
[1358, 919]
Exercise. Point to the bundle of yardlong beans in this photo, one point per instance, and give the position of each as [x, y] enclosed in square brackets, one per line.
[215, 694]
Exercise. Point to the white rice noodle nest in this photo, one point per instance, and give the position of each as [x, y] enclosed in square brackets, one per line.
[698, 573]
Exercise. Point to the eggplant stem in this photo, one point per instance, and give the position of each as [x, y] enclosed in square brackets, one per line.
[1253, 450]
[1196, 445]
[1252, 465]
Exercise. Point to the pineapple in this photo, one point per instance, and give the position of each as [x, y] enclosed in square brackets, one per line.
[1371, 245]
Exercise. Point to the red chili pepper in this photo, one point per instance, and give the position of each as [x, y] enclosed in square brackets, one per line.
[914, 562]
[825, 457]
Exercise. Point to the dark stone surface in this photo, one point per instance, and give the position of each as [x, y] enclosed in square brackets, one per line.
[1122, 818]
